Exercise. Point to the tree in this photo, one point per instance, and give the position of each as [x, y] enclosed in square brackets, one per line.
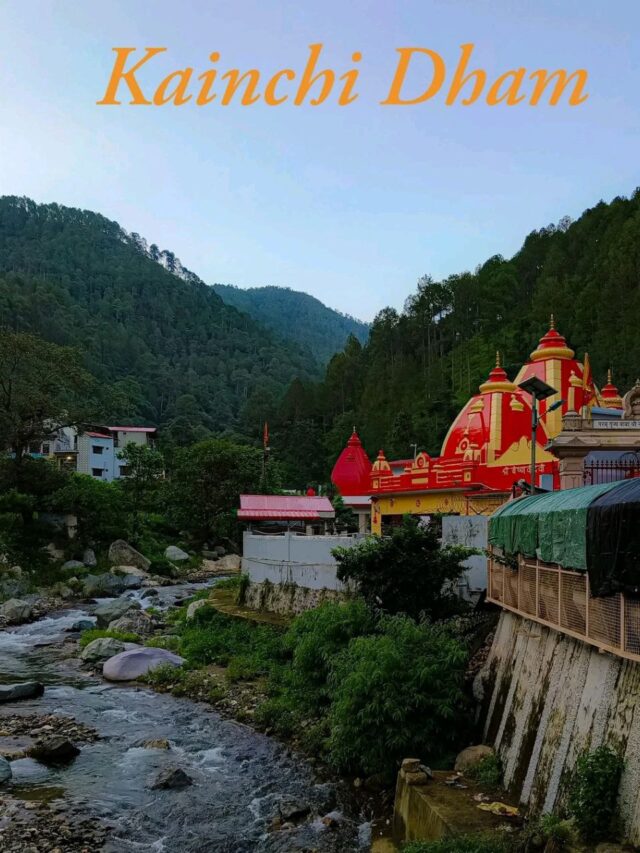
[144, 471]
[42, 387]
[205, 485]
[407, 572]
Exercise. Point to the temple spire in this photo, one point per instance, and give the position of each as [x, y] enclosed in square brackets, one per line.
[552, 322]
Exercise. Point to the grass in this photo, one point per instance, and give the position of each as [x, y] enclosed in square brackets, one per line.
[487, 772]
[98, 633]
[458, 844]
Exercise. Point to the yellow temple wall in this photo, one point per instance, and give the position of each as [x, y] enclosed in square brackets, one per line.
[448, 503]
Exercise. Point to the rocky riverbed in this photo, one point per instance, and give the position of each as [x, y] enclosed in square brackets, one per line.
[244, 791]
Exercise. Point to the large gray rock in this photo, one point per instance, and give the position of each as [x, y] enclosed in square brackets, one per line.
[102, 585]
[89, 558]
[54, 750]
[83, 625]
[193, 608]
[15, 611]
[5, 770]
[133, 622]
[137, 662]
[25, 690]
[101, 649]
[175, 554]
[72, 566]
[123, 554]
[470, 757]
[171, 777]
[112, 610]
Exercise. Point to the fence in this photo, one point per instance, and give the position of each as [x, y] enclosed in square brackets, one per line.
[611, 470]
[561, 599]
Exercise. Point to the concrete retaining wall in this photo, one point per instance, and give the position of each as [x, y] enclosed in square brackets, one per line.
[544, 698]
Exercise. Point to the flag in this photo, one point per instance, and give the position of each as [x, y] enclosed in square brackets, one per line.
[265, 436]
[589, 393]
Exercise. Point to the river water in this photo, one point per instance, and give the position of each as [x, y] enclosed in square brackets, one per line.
[240, 776]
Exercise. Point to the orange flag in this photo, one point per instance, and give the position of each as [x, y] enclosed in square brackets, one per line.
[589, 393]
[265, 435]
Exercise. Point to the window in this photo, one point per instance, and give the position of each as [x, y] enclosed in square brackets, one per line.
[97, 472]
[124, 470]
[116, 442]
[97, 449]
[45, 448]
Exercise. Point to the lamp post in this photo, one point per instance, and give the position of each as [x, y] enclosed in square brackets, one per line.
[538, 390]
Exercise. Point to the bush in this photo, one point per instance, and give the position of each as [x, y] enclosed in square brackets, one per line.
[395, 693]
[594, 791]
[407, 572]
[458, 844]
[488, 772]
[98, 633]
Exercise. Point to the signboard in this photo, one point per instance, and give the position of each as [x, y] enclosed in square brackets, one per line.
[605, 424]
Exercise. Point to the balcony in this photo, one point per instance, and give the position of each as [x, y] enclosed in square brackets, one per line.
[561, 600]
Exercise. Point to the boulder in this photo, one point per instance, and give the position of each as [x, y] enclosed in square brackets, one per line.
[95, 586]
[471, 757]
[150, 593]
[123, 554]
[5, 770]
[101, 650]
[293, 811]
[130, 571]
[83, 625]
[15, 611]
[193, 608]
[54, 552]
[72, 566]
[25, 690]
[89, 558]
[133, 622]
[171, 777]
[175, 554]
[132, 664]
[112, 610]
[54, 750]
[155, 743]
[229, 563]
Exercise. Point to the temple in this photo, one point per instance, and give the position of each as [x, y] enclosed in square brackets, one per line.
[487, 449]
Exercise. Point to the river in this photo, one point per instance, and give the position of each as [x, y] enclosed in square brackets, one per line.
[240, 776]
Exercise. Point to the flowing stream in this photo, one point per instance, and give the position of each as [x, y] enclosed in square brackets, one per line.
[240, 776]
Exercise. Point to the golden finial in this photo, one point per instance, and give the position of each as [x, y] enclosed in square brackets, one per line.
[498, 364]
[552, 322]
[609, 377]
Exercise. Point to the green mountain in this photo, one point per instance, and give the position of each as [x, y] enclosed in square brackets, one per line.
[146, 325]
[296, 316]
[419, 366]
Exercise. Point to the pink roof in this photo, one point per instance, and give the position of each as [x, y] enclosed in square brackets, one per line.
[100, 435]
[284, 507]
[132, 429]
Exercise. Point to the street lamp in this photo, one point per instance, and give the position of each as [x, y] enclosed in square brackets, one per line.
[539, 390]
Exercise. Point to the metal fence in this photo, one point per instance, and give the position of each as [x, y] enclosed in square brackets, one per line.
[561, 599]
[612, 470]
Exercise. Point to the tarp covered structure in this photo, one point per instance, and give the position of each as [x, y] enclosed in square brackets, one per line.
[551, 527]
[613, 540]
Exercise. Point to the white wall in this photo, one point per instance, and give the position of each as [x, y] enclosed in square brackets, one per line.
[471, 531]
[303, 560]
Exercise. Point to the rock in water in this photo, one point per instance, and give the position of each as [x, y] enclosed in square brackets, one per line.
[15, 611]
[54, 750]
[107, 584]
[175, 554]
[121, 553]
[193, 608]
[101, 649]
[171, 777]
[133, 622]
[5, 770]
[26, 690]
[112, 610]
[471, 757]
[89, 558]
[155, 743]
[83, 625]
[130, 665]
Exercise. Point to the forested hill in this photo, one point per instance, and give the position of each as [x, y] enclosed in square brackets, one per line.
[422, 364]
[186, 360]
[297, 316]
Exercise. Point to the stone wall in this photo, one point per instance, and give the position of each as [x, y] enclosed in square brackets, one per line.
[287, 598]
[544, 698]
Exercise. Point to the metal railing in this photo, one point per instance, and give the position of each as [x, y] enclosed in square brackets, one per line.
[610, 471]
[561, 599]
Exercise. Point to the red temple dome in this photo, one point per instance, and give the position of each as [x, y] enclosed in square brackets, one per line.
[352, 470]
[610, 394]
[553, 344]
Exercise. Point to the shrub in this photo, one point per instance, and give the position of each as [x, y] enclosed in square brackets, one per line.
[98, 633]
[407, 572]
[458, 844]
[488, 771]
[395, 693]
[170, 642]
[594, 791]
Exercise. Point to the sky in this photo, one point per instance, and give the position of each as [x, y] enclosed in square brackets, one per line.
[352, 204]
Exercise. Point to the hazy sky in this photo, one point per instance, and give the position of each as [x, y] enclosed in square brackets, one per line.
[351, 204]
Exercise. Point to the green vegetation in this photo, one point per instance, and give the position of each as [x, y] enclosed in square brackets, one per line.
[487, 772]
[424, 585]
[458, 844]
[317, 328]
[98, 633]
[594, 792]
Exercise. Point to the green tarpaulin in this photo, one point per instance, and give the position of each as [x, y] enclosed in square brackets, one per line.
[552, 526]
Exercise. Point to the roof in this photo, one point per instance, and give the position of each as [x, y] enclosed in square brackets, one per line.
[351, 473]
[284, 507]
[100, 435]
[132, 429]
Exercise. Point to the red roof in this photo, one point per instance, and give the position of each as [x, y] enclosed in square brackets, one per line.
[100, 435]
[284, 507]
[132, 429]
[351, 473]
